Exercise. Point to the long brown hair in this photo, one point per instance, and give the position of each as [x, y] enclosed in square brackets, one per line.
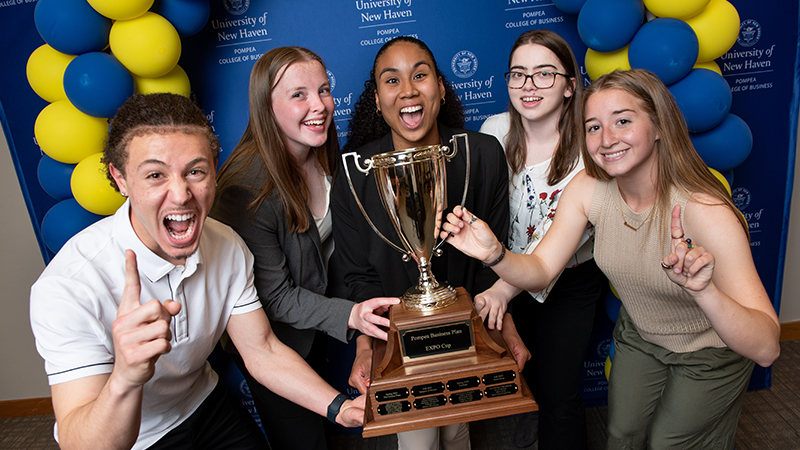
[570, 124]
[262, 142]
[678, 162]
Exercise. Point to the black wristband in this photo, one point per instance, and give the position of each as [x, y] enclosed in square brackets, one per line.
[335, 406]
[499, 258]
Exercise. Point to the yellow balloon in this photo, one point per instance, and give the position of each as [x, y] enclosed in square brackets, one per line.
[148, 46]
[175, 82]
[677, 9]
[716, 27]
[45, 71]
[613, 291]
[91, 188]
[68, 135]
[607, 367]
[710, 65]
[600, 63]
[121, 9]
[721, 179]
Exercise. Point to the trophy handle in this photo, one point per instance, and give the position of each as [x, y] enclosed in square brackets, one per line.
[449, 155]
[455, 150]
[365, 171]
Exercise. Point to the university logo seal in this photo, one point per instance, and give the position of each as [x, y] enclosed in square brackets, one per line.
[464, 64]
[749, 33]
[331, 79]
[236, 7]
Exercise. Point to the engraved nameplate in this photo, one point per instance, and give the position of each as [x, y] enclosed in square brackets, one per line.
[447, 338]
[427, 389]
[501, 390]
[499, 377]
[391, 394]
[463, 383]
[430, 402]
[466, 397]
[394, 407]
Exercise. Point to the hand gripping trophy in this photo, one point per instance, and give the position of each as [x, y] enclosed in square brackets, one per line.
[439, 364]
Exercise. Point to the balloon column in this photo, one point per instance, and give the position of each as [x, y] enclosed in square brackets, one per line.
[97, 53]
[678, 40]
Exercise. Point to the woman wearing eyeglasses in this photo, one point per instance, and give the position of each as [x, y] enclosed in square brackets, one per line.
[541, 135]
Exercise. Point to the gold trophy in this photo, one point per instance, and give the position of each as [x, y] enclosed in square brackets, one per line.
[439, 365]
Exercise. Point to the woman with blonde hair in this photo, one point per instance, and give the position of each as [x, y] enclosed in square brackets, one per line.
[695, 315]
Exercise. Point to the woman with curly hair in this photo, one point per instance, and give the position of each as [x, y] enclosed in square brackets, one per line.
[274, 191]
[695, 315]
[407, 103]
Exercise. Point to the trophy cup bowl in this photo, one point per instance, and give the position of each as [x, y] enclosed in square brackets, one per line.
[412, 184]
[439, 364]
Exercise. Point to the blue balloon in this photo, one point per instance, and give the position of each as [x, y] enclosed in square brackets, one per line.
[704, 97]
[71, 26]
[187, 16]
[667, 47]
[54, 176]
[728, 175]
[609, 25]
[569, 6]
[612, 305]
[97, 84]
[64, 220]
[725, 146]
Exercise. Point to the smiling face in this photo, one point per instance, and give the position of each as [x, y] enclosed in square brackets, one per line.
[303, 106]
[169, 179]
[408, 95]
[534, 104]
[620, 137]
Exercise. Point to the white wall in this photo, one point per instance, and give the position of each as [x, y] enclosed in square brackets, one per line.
[790, 298]
[21, 368]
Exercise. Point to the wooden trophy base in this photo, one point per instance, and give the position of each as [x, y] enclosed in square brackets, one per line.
[439, 368]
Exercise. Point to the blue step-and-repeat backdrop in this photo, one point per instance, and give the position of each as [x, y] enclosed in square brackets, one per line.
[470, 41]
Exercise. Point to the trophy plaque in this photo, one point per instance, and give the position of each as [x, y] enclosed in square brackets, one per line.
[439, 365]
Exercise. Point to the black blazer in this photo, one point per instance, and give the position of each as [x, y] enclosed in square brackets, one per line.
[363, 266]
[290, 274]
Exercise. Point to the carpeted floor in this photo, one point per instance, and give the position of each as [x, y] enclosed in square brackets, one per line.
[770, 421]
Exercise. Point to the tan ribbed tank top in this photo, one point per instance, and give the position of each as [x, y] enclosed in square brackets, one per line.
[663, 313]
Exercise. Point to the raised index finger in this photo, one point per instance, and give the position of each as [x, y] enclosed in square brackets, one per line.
[676, 228]
[133, 289]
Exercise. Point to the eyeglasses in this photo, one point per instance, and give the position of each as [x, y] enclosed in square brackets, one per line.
[541, 80]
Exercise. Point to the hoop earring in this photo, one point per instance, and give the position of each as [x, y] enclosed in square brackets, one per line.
[378, 112]
[443, 101]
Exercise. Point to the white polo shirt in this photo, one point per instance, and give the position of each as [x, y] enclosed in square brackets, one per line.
[74, 303]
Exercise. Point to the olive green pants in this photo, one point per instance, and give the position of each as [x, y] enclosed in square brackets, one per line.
[659, 399]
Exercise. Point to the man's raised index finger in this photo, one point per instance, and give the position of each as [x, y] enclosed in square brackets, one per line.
[133, 290]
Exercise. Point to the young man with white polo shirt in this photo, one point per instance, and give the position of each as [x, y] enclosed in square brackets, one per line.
[127, 312]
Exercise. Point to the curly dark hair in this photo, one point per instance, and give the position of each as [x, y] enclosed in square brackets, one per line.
[162, 113]
[366, 126]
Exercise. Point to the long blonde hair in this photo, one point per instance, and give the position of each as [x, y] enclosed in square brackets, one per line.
[262, 142]
[679, 164]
